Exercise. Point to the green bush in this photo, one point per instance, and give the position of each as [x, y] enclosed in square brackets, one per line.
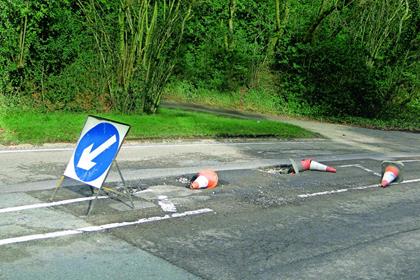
[208, 62]
[332, 77]
[332, 58]
[39, 41]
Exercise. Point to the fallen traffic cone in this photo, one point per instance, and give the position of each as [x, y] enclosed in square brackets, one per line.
[391, 172]
[308, 164]
[206, 179]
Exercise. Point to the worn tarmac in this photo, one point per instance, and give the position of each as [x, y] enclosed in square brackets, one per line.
[257, 224]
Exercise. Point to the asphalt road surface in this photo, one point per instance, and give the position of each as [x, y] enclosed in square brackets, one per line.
[257, 224]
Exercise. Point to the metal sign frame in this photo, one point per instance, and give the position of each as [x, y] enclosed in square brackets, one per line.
[90, 124]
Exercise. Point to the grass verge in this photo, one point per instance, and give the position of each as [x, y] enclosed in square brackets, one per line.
[17, 127]
[266, 102]
[252, 100]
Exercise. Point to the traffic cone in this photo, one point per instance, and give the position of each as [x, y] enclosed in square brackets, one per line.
[309, 164]
[206, 179]
[391, 172]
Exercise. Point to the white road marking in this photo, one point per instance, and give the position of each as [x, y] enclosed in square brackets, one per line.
[36, 150]
[48, 204]
[67, 201]
[361, 167]
[352, 189]
[410, 160]
[56, 234]
[156, 145]
[165, 204]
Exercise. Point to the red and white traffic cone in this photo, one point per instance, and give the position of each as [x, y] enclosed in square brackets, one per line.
[391, 172]
[309, 164]
[206, 179]
[313, 165]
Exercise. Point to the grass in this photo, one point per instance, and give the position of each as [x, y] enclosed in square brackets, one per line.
[252, 100]
[17, 127]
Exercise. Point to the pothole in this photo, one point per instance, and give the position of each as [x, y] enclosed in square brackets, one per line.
[278, 169]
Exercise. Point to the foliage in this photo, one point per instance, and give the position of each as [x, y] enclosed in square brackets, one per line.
[352, 59]
[209, 61]
[334, 78]
[137, 42]
[319, 57]
[39, 39]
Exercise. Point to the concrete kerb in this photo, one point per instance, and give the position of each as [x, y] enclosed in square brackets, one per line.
[142, 174]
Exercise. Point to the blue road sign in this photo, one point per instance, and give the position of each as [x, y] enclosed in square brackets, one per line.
[95, 151]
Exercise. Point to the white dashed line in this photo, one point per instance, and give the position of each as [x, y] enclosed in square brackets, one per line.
[166, 204]
[48, 204]
[352, 189]
[361, 167]
[56, 234]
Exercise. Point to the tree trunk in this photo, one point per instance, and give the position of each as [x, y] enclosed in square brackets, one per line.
[230, 38]
[282, 13]
[322, 15]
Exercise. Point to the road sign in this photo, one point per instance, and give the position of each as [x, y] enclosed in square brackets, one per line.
[96, 149]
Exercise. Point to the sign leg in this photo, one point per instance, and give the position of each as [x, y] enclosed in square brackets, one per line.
[92, 202]
[127, 191]
[59, 183]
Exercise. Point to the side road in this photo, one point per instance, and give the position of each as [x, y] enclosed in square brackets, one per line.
[373, 140]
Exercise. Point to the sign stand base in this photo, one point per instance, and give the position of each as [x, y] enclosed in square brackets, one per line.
[125, 193]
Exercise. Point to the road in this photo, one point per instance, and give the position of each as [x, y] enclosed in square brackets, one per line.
[257, 224]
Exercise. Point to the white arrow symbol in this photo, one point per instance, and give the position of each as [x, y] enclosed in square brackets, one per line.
[85, 161]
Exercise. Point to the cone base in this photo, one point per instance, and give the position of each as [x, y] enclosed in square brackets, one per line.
[316, 166]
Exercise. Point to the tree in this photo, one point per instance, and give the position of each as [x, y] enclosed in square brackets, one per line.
[38, 39]
[137, 41]
[389, 31]
[323, 14]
